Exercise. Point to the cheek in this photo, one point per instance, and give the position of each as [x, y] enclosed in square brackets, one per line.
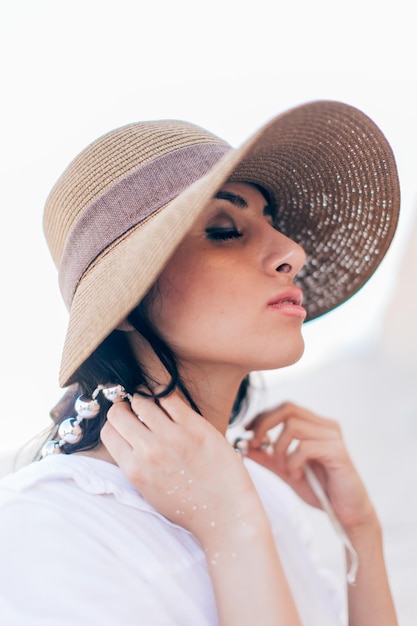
[192, 302]
[174, 301]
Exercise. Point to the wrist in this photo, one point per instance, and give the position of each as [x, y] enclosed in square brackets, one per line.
[369, 527]
[231, 528]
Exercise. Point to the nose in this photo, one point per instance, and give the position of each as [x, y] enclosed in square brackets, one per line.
[283, 255]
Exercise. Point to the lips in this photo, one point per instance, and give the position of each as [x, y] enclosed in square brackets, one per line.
[292, 296]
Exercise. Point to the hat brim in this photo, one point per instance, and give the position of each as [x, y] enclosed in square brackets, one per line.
[332, 175]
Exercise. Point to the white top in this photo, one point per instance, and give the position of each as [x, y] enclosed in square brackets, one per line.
[80, 546]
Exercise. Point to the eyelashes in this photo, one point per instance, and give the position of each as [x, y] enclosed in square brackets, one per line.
[222, 234]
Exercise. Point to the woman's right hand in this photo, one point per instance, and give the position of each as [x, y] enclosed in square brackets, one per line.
[187, 470]
[180, 463]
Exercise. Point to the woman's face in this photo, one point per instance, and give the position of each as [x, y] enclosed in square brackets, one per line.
[227, 297]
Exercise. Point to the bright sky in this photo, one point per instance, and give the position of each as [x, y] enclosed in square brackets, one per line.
[72, 70]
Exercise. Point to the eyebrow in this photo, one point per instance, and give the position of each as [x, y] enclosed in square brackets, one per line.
[233, 198]
[241, 203]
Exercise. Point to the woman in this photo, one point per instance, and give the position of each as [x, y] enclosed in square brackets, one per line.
[185, 266]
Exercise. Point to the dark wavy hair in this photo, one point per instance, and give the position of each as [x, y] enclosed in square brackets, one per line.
[114, 362]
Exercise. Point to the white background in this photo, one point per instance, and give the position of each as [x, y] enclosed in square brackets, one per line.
[73, 70]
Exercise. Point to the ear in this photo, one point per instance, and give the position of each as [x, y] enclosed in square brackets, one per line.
[125, 326]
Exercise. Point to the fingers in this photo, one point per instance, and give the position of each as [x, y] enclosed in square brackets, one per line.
[298, 429]
[303, 437]
[313, 450]
[269, 419]
[141, 413]
[117, 445]
[123, 432]
[176, 408]
[297, 423]
[136, 435]
[125, 420]
[307, 440]
[156, 412]
[138, 423]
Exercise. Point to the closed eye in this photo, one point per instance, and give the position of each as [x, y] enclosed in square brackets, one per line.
[222, 234]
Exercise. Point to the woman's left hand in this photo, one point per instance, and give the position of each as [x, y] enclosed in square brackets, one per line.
[306, 438]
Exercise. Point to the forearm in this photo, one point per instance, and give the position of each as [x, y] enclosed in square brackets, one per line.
[248, 580]
[370, 600]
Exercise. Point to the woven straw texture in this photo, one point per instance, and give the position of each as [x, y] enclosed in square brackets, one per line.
[327, 166]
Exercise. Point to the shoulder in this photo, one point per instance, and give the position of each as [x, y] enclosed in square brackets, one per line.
[69, 487]
[89, 502]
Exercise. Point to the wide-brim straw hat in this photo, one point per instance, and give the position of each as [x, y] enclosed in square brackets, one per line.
[122, 207]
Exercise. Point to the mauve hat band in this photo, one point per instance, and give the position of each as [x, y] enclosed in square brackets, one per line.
[122, 207]
[101, 224]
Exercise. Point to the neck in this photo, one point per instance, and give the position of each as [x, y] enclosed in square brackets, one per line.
[213, 387]
[214, 390]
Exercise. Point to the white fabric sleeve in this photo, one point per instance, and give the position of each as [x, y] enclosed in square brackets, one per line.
[54, 573]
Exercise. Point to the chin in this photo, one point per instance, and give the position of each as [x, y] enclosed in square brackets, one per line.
[286, 357]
